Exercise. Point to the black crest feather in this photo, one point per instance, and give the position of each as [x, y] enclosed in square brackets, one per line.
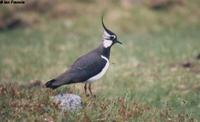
[105, 28]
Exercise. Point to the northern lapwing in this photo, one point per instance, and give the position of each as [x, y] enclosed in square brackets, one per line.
[89, 67]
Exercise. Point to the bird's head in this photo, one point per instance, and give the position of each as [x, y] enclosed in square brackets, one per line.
[109, 38]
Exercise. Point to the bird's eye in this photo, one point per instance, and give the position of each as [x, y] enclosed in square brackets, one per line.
[112, 37]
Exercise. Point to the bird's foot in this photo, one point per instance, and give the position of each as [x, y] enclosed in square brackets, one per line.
[87, 95]
[93, 96]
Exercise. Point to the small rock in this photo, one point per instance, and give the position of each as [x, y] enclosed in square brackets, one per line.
[164, 4]
[35, 83]
[68, 102]
[187, 65]
[196, 87]
[198, 57]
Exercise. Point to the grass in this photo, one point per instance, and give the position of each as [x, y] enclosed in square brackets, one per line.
[145, 82]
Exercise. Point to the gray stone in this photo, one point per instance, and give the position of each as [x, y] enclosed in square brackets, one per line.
[68, 102]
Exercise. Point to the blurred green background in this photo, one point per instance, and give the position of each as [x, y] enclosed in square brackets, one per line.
[158, 64]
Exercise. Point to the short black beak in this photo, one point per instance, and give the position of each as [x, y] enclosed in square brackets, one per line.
[118, 42]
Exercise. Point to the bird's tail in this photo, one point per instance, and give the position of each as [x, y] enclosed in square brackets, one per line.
[62, 79]
[53, 84]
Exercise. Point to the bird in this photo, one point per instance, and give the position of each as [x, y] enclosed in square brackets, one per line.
[89, 67]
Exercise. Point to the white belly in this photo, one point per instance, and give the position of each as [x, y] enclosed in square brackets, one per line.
[103, 71]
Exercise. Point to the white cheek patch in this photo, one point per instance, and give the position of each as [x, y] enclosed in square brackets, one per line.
[106, 35]
[107, 43]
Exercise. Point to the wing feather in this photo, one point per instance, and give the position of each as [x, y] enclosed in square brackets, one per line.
[84, 68]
